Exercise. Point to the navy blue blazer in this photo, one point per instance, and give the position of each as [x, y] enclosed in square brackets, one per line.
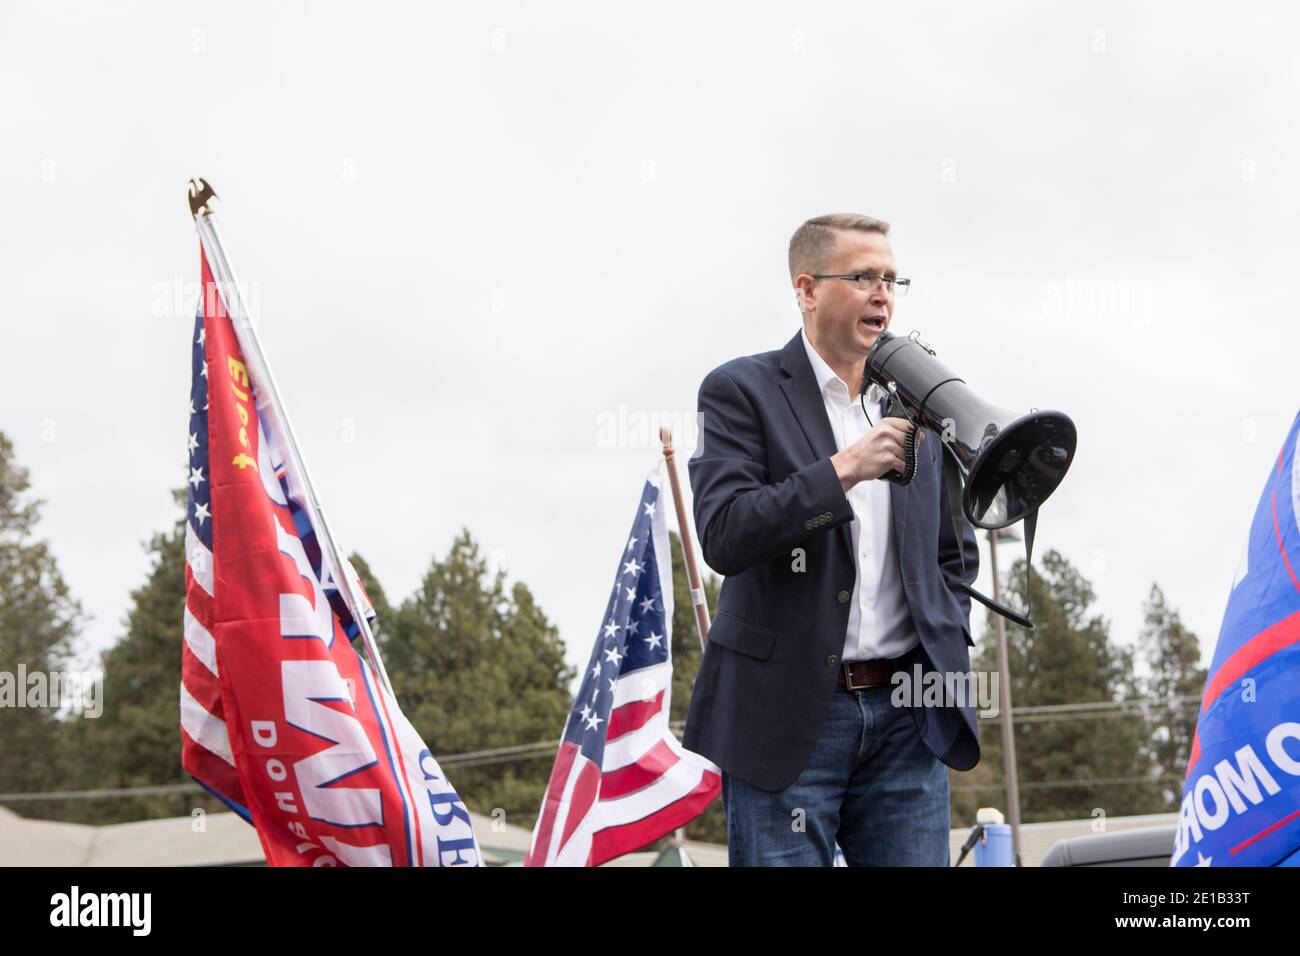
[764, 486]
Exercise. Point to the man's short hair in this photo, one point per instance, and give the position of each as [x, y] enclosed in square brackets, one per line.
[813, 243]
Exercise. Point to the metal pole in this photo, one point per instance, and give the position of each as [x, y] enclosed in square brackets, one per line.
[688, 546]
[200, 195]
[1009, 771]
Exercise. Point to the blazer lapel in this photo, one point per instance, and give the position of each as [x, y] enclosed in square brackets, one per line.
[805, 398]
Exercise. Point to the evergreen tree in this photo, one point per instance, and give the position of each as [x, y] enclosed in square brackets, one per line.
[1067, 658]
[1172, 654]
[476, 667]
[39, 621]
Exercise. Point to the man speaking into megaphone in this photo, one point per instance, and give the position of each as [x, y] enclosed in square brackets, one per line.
[835, 579]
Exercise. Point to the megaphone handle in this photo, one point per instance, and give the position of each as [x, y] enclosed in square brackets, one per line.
[897, 410]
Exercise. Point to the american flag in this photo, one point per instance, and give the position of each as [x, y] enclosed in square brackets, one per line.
[621, 779]
[281, 717]
[205, 741]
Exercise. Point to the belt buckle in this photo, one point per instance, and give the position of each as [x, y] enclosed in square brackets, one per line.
[848, 677]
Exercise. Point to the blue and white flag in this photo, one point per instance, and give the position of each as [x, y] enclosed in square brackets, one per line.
[1241, 798]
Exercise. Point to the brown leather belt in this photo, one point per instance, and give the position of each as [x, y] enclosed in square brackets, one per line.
[858, 675]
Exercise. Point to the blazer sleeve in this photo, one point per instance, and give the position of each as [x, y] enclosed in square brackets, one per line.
[950, 551]
[743, 520]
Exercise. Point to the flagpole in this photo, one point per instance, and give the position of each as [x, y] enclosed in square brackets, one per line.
[692, 569]
[200, 196]
[687, 539]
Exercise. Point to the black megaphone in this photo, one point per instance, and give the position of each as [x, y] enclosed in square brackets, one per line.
[1009, 464]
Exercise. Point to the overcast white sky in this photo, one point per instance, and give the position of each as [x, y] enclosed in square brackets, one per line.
[471, 233]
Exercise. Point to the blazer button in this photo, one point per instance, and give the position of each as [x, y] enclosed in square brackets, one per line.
[832, 661]
[843, 597]
[807, 525]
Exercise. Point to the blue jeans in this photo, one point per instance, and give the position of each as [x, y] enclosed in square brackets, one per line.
[871, 785]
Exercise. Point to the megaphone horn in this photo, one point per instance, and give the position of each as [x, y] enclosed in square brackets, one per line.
[1010, 464]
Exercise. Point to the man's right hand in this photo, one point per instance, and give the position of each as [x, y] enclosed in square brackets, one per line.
[876, 453]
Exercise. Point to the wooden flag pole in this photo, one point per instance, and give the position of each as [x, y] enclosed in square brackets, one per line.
[688, 546]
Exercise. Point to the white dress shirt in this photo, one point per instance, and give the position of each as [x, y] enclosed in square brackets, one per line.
[880, 624]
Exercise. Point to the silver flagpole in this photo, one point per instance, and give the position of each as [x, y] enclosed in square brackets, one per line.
[200, 196]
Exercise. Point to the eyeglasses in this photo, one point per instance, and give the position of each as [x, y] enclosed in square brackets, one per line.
[870, 282]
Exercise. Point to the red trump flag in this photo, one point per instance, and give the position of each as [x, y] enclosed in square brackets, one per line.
[281, 717]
